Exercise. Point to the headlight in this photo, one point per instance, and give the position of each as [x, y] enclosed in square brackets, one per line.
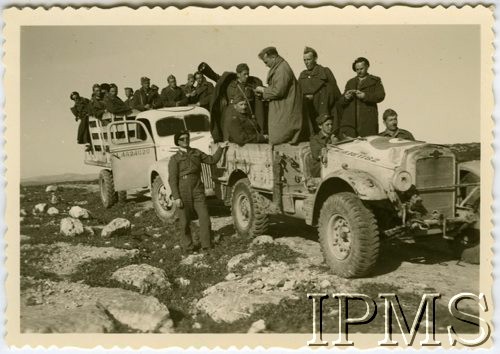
[402, 181]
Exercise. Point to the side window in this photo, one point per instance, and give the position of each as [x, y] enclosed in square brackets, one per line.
[128, 132]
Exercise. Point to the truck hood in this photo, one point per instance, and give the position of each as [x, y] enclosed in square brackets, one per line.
[385, 151]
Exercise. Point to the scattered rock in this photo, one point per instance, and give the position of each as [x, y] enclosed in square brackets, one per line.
[192, 259]
[82, 202]
[51, 188]
[471, 255]
[71, 227]
[40, 208]
[233, 262]
[52, 211]
[24, 238]
[21, 219]
[89, 230]
[79, 212]
[259, 240]
[54, 199]
[139, 312]
[147, 279]
[310, 250]
[325, 284]
[116, 227]
[196, 325]
[23, 212]
[257, 327]
[230, 276]
[177, 247]
[183, 281]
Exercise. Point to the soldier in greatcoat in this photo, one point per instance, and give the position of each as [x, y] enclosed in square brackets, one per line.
[359, 101]
[204, 91]
[81, 111]
[97, 105]
[173, 95]
[319, 89]
[114, 104]
[188, 192]
[142, 96]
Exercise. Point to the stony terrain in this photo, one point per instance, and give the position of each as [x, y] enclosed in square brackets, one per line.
[89, 269]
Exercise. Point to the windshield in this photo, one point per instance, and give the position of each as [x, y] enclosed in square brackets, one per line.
[192, 122]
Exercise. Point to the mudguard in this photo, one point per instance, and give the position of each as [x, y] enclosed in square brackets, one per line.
[361, 182]
[160, 168]
[473, 167]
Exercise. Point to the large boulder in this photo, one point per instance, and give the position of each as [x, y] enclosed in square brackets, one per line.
[79, 212]
[40, 208]
[116, 227]
[52, 211]
[71, 227]
[147, 279]
[51, 188]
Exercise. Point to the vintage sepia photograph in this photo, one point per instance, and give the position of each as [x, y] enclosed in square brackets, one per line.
[192, 175]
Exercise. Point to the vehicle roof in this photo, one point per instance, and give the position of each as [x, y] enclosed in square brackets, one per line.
[155, 114]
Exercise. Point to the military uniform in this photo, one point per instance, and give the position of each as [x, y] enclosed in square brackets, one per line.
[204, 94]
[81, 111]
[173, 97]
[236, 89]
[141, 99]
[243, 129]
[317, 143]
[399, 133]
[184, 170]
[115, 105]
[188, 90]
[97, 106]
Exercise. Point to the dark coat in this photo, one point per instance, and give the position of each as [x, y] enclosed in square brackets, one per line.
[81, 111]
[285, 123]
[204, 94]
[360, 117]
[243, 129]
[116, 106]
[321, 83]
[187, 91]
[130, 102]
[155, 100]
[173, 97]
[141, 99]
[97, 107]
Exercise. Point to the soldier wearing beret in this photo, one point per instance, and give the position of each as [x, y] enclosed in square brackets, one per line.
[242, 128]
[173, 95]
[81, 111]
[319, 141]
[142, 96]
[188, 192]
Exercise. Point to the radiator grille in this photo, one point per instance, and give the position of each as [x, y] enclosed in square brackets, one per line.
[437, 172]
[206, 176]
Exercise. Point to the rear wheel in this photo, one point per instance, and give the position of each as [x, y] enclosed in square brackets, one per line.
[348, 235]
[247, 209]
[162, 202]
[107, 188]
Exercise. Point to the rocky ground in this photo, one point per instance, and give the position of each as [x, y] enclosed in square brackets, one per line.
[89, 269]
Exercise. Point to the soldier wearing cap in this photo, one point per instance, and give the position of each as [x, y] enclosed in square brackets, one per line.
[129, 94]
[285, 121]
[173, 95]
[319, 89]
[188, 192]
[189, 89]
[81, 111]
[204, 91]
[241, 127]
[141, 96]
[114, 104]
[319, 141]
[154, 99]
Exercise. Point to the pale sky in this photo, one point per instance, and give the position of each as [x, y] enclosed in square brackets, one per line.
[430, 73]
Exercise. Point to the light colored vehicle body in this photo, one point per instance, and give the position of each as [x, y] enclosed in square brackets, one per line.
[369, 188]
[134, 150]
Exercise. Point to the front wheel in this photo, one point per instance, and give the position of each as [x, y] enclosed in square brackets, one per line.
[348, 235]
[107, 188]
[162, 202]
[247, 209]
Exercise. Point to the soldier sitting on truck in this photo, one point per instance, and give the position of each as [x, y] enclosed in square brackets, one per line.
[141, 96]
[242, 128]
[184, 178]
[129, 94]
[154, 99]
[391, 123]
[97, 105]
[319, 141]
[114, 104]
[173, 95]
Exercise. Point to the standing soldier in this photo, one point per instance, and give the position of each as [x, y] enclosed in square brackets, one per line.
[141, 96]
[188, 192]
[189, 89]
[204, 91]
[173, 95]
[319, 88]
[129, 94]
[81, 112]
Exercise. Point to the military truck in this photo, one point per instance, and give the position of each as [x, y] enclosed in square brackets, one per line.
[370, 189]
[133, 152]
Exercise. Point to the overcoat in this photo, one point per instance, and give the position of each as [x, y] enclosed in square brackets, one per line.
[204, 94]
[360, 116]
[172, 97]
[285, 119]
[81, 111]
[322, 85]
[115, 105]
[243, 129]
[141, 99]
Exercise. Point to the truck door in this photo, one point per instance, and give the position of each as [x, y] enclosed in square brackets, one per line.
[132, 152]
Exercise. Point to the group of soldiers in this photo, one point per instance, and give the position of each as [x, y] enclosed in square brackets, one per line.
[197, 91]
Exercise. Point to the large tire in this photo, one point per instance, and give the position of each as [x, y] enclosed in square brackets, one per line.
[247, 209]
[162, 203]
[107, 188]
[348, 235]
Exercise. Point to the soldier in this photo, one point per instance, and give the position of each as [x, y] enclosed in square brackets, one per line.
[141, 96]
[204, 91]
[173, 95]
[97, 105]
[319, 141]
[154, 99]
[241, 126]
[114, 104]
[391, 123]
[242, 85]
[81, 112]
[129, 94]
[188, 192]
[285, 122]
[189, 89]
[319, 88]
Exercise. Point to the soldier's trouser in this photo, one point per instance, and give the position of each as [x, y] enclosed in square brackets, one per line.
[192, 194]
